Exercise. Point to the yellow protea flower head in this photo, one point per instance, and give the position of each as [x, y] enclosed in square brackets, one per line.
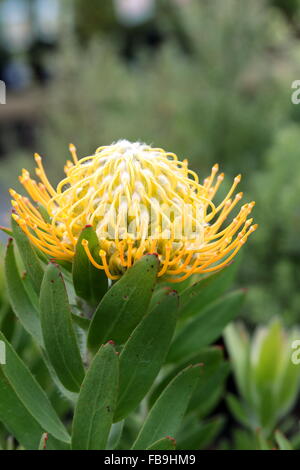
[139, 200]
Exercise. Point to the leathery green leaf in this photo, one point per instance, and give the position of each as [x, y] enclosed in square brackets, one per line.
[199, 435]
[124, 305]
[115, 435]
[19, 421]
[145, 352]
[210, 382]
[90, 283]
[97, 401]
[30, 259]
[31, 394]
[238, 346]
[19, 299]
[282, 441]
[167, 443]
[168, 411]
[207, 326]
[199, 295]
[59, 337]
[238, 410]
[210, 358]
[82, 322]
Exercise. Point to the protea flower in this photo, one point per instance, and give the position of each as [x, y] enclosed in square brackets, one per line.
[139, 200]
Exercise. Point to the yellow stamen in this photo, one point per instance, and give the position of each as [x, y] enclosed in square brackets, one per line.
[138, 200]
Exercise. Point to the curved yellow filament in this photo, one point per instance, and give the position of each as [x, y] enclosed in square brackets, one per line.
[138, 200]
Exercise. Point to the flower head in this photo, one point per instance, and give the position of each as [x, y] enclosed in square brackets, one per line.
[139, 200]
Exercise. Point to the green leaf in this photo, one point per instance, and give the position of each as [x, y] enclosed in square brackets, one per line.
[210, 402]
[31, 262]
[96, 402]
[115, 435]
[19, 299]
[82, 322]
[261, 441]
[210, 382]
[206, 327]
[145, 352]
[238, 345]
[6, 230]
[237, 410]
[90, 283]
[199, 295]
[43, 212]
[268, 348]
[282, 441]
[8, 324]
[124, 305]
[211, 358]
[166, 443]
[18, 420]
[287, 383]
[71, 397]
[243, 440]
[168, 411]
[159, 294]
[59, 337]
[31, 394]
[198, 435]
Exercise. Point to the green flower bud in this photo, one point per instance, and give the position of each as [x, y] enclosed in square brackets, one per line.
[266, 371]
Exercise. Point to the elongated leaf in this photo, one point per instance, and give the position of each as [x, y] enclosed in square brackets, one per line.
[267, 352]
[167, 443]
[210, 358]
[18, 420]
[167, 413]
[90, 283]
[209, 403]
[96, 402]
[159, 294]
[200, 435]
[71, 397]
[282, 441]
[8, 321]
[115, 435]
[124, 305]
[199, 295]
[6, 230]
[238, 345]
[31, 262]
[207, 326]
[82, 322]
[59, 337]
[43, 212]
[31, 394]
[237, 410]
[210, 382]
[19, 299]
[261, 441]
[144, 353]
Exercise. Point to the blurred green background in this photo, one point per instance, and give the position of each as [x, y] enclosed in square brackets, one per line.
[207, 79]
